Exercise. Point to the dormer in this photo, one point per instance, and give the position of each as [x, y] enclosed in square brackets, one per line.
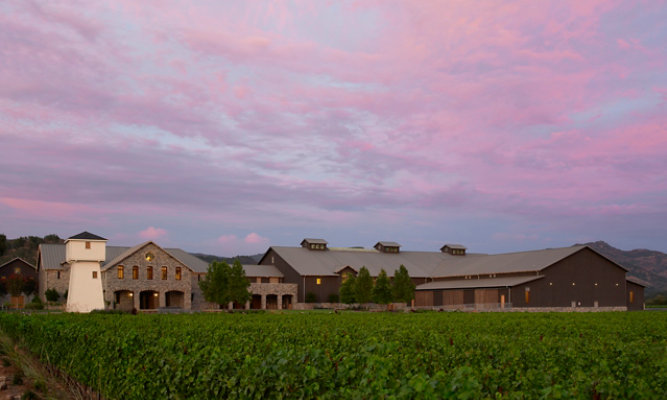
[454, 249]
[314, 244]
[85, 247]
[387, 247]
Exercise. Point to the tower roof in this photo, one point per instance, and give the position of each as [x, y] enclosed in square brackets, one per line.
[85, 235]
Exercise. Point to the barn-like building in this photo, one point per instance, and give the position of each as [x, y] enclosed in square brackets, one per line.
[574, 277]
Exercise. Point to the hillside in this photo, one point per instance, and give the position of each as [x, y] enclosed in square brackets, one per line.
[648, 265]
[26, 248]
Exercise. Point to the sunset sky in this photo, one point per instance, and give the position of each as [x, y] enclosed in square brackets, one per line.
[226, 127]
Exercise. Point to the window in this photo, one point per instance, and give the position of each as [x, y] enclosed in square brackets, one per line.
[319, 281]
[135, 272]
[94, 274]
[88, 245]
[198, 277]
[58, 275]
[178, 273]
[149, 273]
[17, 270]
[527, 295]
[632, 297]
[149, 256]
[121, 272]
[164, 273]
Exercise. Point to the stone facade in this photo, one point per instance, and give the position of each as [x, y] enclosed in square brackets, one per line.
[55, 279]
[279, 290]
[129, 292]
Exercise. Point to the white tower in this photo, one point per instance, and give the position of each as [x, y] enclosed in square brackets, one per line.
[84, 253]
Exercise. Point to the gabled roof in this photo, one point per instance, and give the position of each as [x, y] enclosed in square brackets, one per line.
[506, 281]
[316, 241]
[52, 256]
[19, 259]
[86, 236]
[387, 244]
[454, 246]
[264, 271]
[637, 281]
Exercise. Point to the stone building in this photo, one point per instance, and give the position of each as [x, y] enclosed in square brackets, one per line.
[147, 276]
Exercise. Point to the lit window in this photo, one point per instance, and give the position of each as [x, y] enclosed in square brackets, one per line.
[17, 270]
[149, 273]
[149, 256]
[94, 274]
[527, 295]
[319, 281]
[135, 272]
[87, 245]
[178, 273]
[632, 296]
[164, 273]
[121, 272]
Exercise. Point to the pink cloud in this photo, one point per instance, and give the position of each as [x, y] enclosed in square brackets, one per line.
[253, 238]
[152, 233]
[227, 239]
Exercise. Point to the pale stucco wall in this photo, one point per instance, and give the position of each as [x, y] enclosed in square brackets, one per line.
[75, 250]
[85, 287]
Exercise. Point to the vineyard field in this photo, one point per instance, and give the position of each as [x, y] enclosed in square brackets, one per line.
[354, 354]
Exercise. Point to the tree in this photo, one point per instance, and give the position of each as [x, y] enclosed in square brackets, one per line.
[347, 290]
[3, 243]
[382, 290]
[238, 284]
[29, 286]
[403, 288]
[215, 286]
[363, 288]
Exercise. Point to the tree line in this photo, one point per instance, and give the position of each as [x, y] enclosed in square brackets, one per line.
[361, 289]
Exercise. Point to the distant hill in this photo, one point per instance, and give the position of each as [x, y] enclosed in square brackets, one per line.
[24, 247]
[254, 259]
[648, 265]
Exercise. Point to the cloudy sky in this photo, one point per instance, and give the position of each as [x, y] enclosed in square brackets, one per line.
[226, 127]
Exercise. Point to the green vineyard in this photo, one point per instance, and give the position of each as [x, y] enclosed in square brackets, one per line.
[354, 355]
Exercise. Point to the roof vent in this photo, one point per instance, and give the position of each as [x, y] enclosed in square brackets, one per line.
[314, 244]
[454, 249]
[387, 247]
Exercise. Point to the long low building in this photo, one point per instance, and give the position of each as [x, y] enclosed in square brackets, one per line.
[567, 277]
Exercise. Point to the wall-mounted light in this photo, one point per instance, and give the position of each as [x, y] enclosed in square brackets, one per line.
[551, 283]
[154, 294]
[596, 283]
[131, 294]
[573, 284]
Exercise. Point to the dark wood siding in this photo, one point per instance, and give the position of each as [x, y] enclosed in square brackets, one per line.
[573, 280]
[635, 296]
[452, 297]
[290, 274]
[25, 270]
[328, 285]
[424, 298]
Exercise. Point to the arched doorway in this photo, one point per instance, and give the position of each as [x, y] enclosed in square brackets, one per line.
[287, 302]
[175, 299]
[271, 302]
[256, 303]
[124, 300]
[148, 300]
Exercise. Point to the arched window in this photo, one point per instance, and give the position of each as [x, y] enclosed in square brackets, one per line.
[149, 273]
[164, 273]
[135, 272]
[178, 274]
[121, 272]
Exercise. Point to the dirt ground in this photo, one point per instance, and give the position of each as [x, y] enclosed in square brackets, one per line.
[16, 384]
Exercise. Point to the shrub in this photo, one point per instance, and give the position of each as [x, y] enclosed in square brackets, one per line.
[35, 304]
[311, 297]
[333, 298]
[52, 295]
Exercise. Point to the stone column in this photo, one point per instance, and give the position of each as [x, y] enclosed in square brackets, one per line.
[280, 301]
[162, 296]
[136, 298]
[230, 305]
[247, 305]
[263, 302]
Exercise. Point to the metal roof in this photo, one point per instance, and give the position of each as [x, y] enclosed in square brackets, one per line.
[252, 271]
[637, 281]
[86, 236]
[454, 246]
[420, 264]
[52, 256]
[311, 240]
[388, 244]
[507, 281]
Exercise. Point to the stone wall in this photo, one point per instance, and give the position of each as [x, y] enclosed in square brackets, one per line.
[52, 282]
